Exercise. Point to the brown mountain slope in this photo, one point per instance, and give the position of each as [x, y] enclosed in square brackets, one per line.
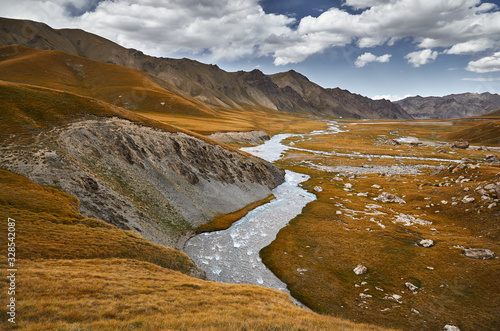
[128, 170]
[334, 101]
[114, 84]
[207, 83]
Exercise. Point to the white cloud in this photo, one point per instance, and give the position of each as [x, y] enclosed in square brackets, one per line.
[420, 58]
[235, 29]
[224, 29]
[486, 64]
[470, 47]
[366, 58]
[391, 97]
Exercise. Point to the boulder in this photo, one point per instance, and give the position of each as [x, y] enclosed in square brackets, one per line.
[448, 327]
[468, 199]
[460, 144]
[388, 197]
[492, 158]
[479, 253]
[392, 142]
[426, 243]
[360, 269]
[318, 189]
[411, 287]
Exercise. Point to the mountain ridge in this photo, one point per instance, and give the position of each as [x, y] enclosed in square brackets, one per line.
[451, 106]
[205, 82]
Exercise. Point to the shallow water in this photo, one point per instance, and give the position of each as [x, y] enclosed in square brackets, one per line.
[232, 255]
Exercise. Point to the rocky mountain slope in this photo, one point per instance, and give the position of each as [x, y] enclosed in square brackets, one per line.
[135, 173]
[450, 106]
[207, 83]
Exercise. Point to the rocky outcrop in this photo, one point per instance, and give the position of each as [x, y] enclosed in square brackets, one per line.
[248, 137]
[159, 184]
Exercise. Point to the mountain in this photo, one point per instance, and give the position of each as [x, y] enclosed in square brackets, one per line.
[207, 83]
[450, 106]
[335, 101]
[133, 172]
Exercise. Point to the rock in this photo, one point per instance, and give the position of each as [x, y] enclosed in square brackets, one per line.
[483, 148]
[442, 151]
[411, 287]
[448, 327]
[376, 186]
[426, 243]
[364, 296]
[392, 142]
[479, 253]
[360, 270]
[318, 189]
[460, 144]
[388, 197]
[409, 220]
[492, 158]
[468, 199]
[492, 205]
[348, 185]
[490, 187]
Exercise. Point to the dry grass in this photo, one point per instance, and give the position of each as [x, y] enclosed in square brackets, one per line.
[120, 294]
[330, 245]
[225, 221]
[76, 273]
[49, 226]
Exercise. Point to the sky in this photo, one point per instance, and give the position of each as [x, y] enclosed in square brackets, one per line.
[378, 48]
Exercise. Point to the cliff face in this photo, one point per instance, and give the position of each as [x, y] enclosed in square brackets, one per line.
[159, 184]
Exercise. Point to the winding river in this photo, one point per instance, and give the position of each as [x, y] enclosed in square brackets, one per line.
[232, 255]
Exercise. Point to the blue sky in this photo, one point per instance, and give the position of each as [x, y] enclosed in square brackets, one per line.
[377, 48]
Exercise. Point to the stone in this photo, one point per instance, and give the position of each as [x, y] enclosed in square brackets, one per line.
[492, 158]
[364, 296]
[460, 144]
[392, 142]
[388, 197]
[411, 287]
[318, 189]
[426, 243]
[479, 253]
[468, 199]
[360, 270]
[448, 327]
[348, 185]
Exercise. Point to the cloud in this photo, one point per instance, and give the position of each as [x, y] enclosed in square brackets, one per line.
[236, 29]
[391, 97]
[486, 64]
[420, 58]
[223, 29]
[470, 47]
[366, 58]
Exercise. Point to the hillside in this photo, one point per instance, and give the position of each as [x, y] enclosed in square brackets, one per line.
[450, 106]
[82, 273]
[128, 170]
[207, 83]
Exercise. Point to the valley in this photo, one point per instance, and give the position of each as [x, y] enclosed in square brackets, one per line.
[153, 193]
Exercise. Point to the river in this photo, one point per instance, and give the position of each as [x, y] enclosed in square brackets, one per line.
[232, 255]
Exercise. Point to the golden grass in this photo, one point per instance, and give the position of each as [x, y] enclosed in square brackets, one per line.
[483, 134]
[118, 85]
[76, 273]
[225, 221]
[49, 226]
[98, 294]
[330, 245]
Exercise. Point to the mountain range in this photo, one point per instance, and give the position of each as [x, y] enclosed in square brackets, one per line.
[290, 91]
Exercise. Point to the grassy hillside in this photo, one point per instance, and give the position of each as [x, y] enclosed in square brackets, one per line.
[79, 273]
[482, 134]
[118, 85]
